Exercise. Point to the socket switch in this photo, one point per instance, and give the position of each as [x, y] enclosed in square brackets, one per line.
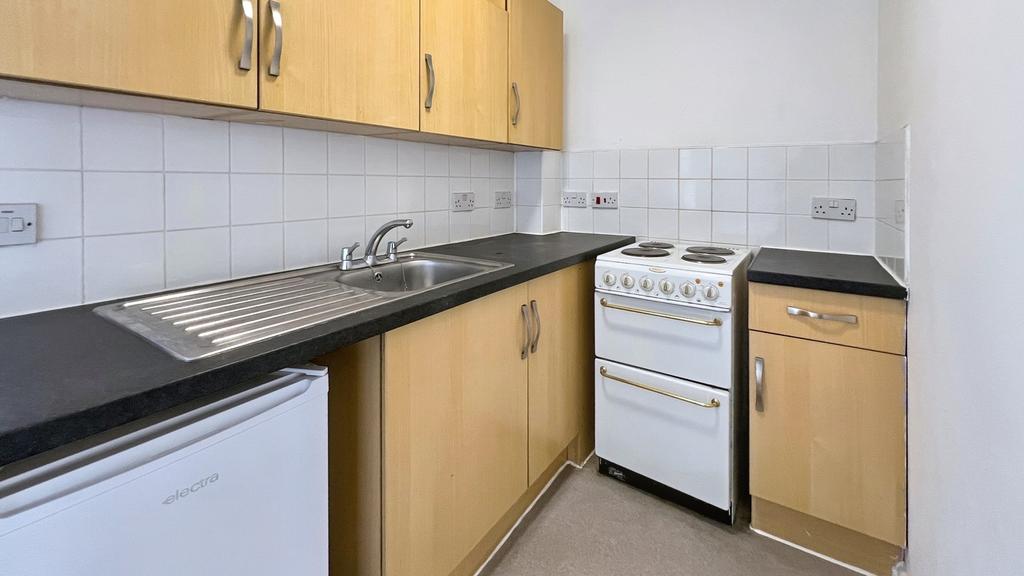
[463, 201]
[834, 208]
[503, 199]
[17, 224]
[574, 199]
[604, 200]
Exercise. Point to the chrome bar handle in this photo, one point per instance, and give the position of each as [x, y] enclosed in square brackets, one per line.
[275, 59]
[245, 60]
[431, 82]
[515, 115]
[526, 333]
[713, 404]
[759, 384]
[701, 322]
[536, 319]
[845, 318]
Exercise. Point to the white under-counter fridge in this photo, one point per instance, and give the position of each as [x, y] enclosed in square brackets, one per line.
[233, 487]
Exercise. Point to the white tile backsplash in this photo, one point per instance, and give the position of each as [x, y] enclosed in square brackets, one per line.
[737, 195]
[115, 140]
[192, 145]
[168, 202]
[123, 202]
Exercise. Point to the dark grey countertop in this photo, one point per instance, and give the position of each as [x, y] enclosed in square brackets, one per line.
[829, 271]
[68, 374]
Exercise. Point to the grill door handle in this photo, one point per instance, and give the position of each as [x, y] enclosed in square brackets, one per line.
[713, 322]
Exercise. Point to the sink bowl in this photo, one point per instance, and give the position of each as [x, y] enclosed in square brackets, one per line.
[209, 320]
[416, 272]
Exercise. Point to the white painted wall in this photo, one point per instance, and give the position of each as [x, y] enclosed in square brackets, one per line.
[671, 73]
[953, 71]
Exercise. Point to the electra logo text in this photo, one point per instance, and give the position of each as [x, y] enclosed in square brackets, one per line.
[195, 487]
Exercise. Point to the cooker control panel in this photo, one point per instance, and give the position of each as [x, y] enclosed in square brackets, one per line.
[662, 284]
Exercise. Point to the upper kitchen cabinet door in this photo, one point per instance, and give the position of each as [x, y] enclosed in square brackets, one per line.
[464, 69]
[827, 437]
[349, 60]
[188, 49]
[535, 74]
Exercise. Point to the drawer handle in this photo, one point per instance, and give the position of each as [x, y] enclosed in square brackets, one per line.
[713, 404]
[846, 318]
[759, 384]
[275, 58]
[245, 61]
[526, 333]
[701, 322]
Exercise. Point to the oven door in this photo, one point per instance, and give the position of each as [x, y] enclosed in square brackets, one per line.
[676, 339]
[645, 422]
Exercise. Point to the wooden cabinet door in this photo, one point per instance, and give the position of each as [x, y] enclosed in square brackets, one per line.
[455, 437]
[188, 49]
[830, 440]
[351, 60]
[467, 42]
[535, 73]
[561, 364]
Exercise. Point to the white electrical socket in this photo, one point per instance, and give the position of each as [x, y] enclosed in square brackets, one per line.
[503, 199]
[462, 201]
[834, 208]
[574, 199]
[604, 200]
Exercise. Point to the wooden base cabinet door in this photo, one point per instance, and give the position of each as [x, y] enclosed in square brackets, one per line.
[188, 49]
[348, 60]
[464, 69]
[561, 361]
[535, 73]
[455, 436]
[827, 437]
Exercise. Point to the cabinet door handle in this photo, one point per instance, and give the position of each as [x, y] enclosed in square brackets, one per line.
[759, 384]
[847, 318]
[536, 320]
[515, 113]
[431, 82]
[245, 61]
[526, 333]
[275, 58]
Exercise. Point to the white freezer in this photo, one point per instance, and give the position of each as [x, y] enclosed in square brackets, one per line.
[237, 487]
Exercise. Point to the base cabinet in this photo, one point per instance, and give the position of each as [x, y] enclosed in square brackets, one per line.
[827, 424]
[445, 430]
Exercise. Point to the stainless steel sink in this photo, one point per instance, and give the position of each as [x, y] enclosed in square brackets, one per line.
[202, 322]
[416, 273]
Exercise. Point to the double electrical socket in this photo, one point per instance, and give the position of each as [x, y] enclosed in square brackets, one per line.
[592, 199]
[574, 199]
[462, 201]
[834, 208]
[503, 199]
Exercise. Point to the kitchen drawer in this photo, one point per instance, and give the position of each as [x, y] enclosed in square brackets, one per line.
[848, 319]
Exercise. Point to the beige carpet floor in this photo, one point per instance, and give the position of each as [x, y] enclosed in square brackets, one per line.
[591, 525]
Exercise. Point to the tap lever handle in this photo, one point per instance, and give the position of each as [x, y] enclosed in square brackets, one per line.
[393, 246]
[348, 251]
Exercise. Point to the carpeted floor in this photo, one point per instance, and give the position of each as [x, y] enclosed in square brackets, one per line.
[590, 525]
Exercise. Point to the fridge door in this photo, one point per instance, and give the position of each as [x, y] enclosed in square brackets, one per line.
[238, 486]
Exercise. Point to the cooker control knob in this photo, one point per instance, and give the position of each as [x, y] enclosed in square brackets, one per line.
[609, 279]
[667, 286]
[711, 293]
[627, 281]
[646, 284]
[689, 289]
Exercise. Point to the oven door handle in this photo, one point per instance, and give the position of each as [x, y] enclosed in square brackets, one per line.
[699, 321]
[713, 404]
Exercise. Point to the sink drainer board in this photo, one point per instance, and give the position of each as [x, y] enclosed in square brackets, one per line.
[201, 322]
